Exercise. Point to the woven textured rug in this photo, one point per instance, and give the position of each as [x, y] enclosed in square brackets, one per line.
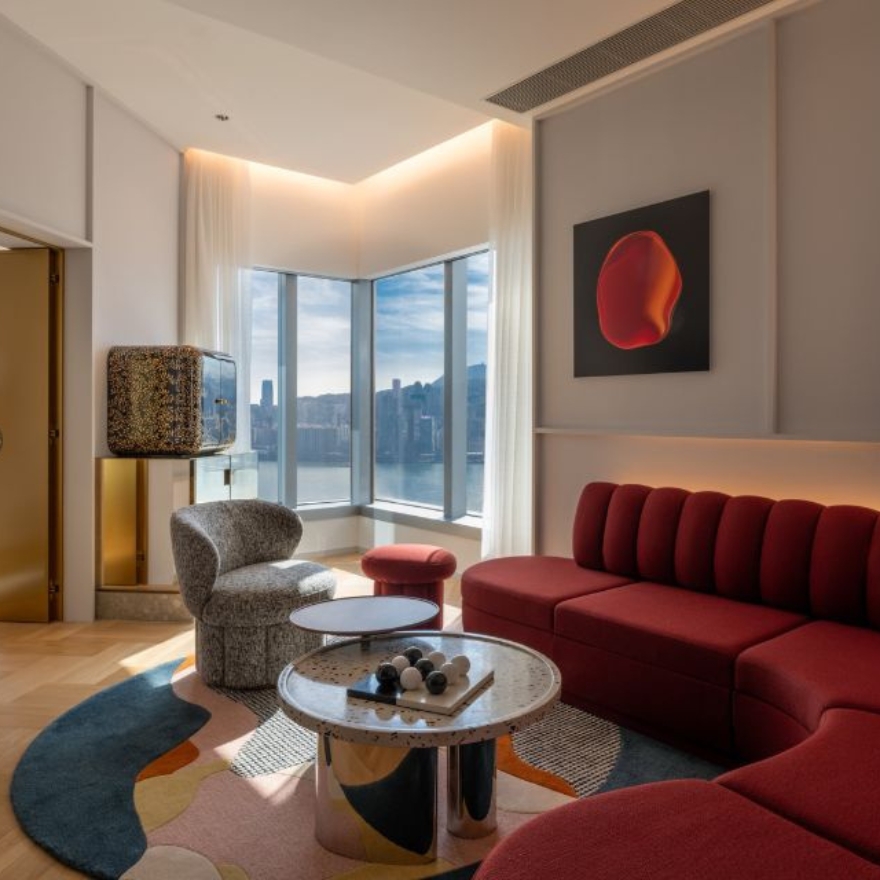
[161, 777]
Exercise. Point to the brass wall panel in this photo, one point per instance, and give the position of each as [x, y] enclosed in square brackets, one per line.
[119, 504]
[25, 382]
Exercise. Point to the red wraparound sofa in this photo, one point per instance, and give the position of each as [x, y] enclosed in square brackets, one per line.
[740, 625]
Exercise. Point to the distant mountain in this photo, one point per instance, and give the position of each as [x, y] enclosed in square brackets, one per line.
[475, 373]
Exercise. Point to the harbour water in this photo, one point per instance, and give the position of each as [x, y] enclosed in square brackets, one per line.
[420, 483]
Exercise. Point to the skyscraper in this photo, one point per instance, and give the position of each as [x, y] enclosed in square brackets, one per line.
[266, 394]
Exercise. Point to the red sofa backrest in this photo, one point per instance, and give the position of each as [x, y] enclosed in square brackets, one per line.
[797, 555]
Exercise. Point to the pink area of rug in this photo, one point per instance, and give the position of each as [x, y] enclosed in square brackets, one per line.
[262, 827]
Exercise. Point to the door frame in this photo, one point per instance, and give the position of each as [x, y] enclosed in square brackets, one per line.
[55, 419]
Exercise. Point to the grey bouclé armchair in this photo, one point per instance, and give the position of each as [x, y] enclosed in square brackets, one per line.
[237, 578]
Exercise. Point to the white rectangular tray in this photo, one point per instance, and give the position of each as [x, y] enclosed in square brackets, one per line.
[447, 703]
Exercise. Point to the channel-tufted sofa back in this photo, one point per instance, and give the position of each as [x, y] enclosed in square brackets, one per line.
[797, 555]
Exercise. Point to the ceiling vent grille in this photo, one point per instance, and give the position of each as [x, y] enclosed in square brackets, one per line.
[676, 24]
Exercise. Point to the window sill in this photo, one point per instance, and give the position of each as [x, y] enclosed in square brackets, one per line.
[426, 518]
[326, 510]
[423, 518]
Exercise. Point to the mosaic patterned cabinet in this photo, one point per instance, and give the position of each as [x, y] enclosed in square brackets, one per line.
[169, 400]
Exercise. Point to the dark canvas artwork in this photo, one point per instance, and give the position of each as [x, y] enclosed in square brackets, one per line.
[641, 290]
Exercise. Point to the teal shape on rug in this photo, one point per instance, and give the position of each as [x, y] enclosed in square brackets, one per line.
[644, 760]
[73, 790]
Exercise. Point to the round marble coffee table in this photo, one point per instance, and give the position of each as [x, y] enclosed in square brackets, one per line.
[376, 772]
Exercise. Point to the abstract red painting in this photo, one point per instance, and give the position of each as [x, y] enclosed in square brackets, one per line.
[641, 290]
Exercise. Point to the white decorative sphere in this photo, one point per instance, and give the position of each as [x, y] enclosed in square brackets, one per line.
[450, 670]
[400, 662]
[461, 663]
[411, 678]
[438, 658]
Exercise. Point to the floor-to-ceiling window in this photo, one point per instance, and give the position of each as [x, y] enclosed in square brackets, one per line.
[301, 387]
[427, 374]
[323, 390]
[408, 363]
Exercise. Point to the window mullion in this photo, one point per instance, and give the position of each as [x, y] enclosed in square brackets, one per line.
[455, 390]
[362, 392]
[287, 390]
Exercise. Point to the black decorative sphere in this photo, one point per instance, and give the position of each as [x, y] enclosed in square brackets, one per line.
[435, 682]
[412, 654]
[425, 666]
[387, 674]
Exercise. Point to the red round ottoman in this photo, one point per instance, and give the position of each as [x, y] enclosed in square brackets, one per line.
[416, 570]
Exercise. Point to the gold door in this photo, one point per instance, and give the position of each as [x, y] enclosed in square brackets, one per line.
[28, 472]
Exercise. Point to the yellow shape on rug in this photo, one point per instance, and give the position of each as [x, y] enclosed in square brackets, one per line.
[397, 872]
[232, 872]
[160, 799]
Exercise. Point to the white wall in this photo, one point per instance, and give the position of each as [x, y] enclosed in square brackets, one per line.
[432, 205]
[775, 124]
[302, 223]
[43, 147]
[429, 206]
[702, 124]
[135, 243]
[829, 185]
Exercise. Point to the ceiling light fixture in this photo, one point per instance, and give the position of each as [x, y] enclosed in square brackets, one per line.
[223, 117]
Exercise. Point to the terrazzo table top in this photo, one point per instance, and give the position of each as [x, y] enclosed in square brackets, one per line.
[312, 691]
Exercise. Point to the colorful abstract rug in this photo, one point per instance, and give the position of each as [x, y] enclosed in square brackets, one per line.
[162, 777]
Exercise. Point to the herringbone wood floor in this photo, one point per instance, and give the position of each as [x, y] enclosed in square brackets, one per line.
[46, 669]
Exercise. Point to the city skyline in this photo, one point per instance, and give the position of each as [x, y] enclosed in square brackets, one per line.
[409, 299]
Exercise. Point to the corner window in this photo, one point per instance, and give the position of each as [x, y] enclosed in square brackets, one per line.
[420, 388]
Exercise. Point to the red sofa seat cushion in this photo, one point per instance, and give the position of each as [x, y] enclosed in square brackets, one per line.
[667, 831]
[828, 783]
[813, 668]
[527, 589]
[681, 630]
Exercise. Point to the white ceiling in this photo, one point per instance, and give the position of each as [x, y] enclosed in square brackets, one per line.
[335, 88]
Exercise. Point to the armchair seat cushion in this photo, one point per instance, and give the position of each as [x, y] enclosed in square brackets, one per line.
[266, 592]
[813, 668]
[691, 633]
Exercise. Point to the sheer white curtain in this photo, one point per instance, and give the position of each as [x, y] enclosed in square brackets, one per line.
[507, 497]
[217, 303]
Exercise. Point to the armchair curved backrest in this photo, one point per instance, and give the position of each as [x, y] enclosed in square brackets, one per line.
[215, 537]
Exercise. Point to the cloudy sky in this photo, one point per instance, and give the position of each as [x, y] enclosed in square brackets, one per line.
[408, 326]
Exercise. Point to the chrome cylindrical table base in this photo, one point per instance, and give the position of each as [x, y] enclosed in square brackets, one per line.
[470, 806]
[376, 803]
